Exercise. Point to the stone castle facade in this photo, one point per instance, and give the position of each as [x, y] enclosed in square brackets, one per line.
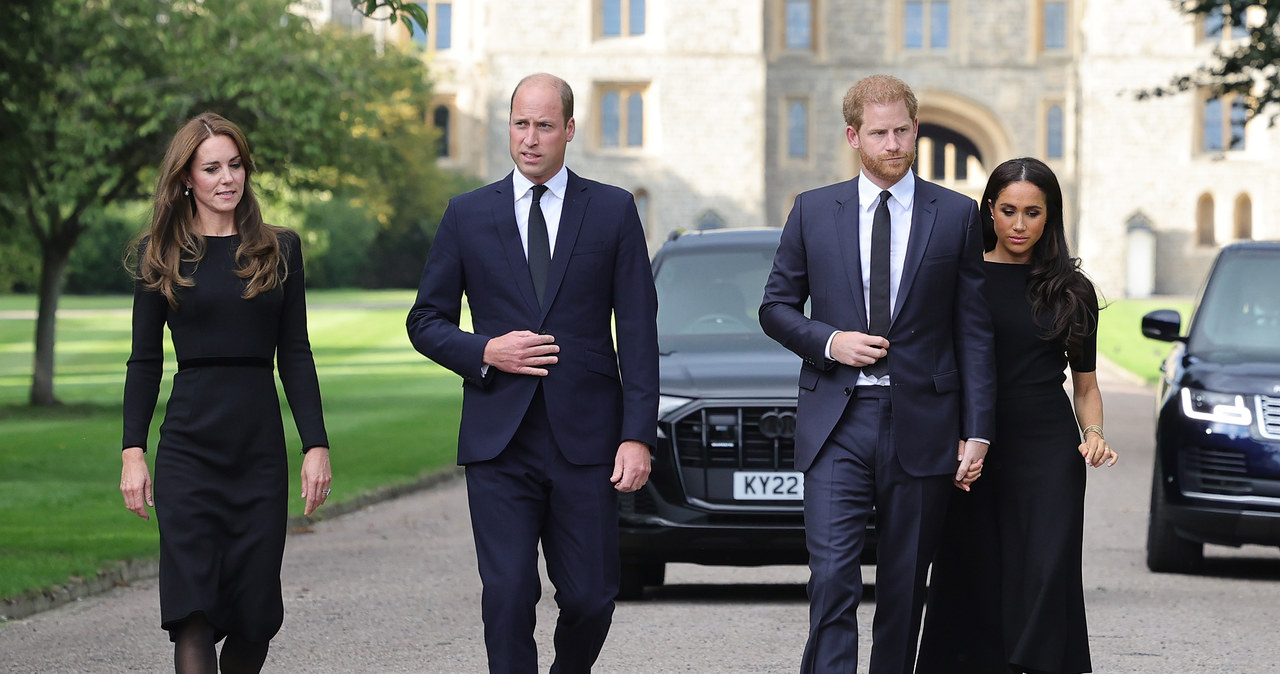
[716, 113]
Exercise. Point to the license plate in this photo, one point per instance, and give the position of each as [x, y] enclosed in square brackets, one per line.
[758, 485]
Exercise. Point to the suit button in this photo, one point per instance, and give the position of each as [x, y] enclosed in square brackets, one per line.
[848, 391]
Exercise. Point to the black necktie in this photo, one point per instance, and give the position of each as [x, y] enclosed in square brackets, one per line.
[879, 309]
[539, 244]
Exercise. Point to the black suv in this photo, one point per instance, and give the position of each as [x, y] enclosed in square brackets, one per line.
[1217, 462]
[723, 490]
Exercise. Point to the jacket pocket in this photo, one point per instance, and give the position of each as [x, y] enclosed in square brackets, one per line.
[602, 364]
[808, 378]
[590, 247]
[945, 382]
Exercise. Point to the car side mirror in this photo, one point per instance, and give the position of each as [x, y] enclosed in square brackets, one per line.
[1162, 324]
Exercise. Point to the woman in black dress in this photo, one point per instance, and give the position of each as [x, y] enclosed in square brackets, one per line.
[230, 289]
[1006, 593]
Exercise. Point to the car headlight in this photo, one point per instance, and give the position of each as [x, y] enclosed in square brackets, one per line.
[1226, 408]
[669, 404]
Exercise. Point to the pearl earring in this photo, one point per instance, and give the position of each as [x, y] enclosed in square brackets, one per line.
[186, 192]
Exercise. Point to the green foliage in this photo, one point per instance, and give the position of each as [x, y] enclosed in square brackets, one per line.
[1250, 68]
[391, 415]
[92, 90]
[410, 12]
[19, 261]
[338, 235]
[96, 265]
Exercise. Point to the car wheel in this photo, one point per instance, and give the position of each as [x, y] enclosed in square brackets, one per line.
[1167, 552]
[636, 576]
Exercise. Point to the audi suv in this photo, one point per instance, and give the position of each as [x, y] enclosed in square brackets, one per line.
[723, 490]
[1217, 460]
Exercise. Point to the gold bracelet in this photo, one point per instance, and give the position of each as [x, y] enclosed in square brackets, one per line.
[1096, 429]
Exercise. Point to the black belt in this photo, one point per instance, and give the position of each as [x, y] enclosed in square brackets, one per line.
[225, 361]
[871, 391]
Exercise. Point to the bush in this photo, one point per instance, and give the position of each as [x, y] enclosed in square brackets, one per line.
[338, 234]
[96, 265]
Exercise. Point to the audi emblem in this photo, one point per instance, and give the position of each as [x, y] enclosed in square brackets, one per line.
[778, 424]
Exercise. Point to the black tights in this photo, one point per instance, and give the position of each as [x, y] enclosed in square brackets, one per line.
[194, 650]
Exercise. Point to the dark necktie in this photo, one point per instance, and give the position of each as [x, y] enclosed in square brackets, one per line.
[539, 244]
[879, 295]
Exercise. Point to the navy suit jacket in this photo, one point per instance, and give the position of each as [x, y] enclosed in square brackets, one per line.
[941, 361]
[596, 396]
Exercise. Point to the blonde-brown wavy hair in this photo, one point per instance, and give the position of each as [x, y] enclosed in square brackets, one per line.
[877, 89]
[172, 238]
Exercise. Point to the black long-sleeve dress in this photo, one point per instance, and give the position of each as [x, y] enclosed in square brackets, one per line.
[221, 469]
[1006, 592]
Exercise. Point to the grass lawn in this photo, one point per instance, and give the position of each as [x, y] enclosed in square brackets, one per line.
[1120, 337]
[391, 414]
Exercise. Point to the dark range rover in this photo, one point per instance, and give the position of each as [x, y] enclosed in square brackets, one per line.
[1217, 463]
[723, 489]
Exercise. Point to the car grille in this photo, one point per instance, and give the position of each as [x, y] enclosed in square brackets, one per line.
[1215, 471]
[1269, 416]
[737, 437]
[638, 502]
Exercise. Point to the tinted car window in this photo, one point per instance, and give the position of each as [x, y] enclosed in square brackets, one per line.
[703, 292]
[1240, 312]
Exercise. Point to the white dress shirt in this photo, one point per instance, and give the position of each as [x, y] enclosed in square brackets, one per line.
[902, 197]
[552, 203]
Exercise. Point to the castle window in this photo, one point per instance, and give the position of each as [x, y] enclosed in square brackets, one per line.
[926, 25]
[621, 17]
[1204, 221]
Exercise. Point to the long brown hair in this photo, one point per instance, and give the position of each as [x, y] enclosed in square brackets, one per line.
[1061, 295]
[172, 239]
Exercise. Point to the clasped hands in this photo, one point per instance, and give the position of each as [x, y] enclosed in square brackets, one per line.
[858, 349]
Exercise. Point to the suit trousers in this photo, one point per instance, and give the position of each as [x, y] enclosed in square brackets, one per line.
[530, 494]
[855, 472]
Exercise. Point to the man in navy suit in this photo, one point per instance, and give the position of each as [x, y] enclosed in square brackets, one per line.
[897, 383]
[555, 421]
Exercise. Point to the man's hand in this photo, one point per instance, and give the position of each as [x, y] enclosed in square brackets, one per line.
[521, 352]
[970, 454]
[631, 467]
[857, 349]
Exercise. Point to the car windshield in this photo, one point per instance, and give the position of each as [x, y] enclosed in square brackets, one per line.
[1239, 315]
[709, 291]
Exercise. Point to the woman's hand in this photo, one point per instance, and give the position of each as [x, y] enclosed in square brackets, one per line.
[1097, 452]
[135, 482]
[316, 478]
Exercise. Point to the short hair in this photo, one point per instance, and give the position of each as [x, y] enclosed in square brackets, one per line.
[561, 86]
[877, 89]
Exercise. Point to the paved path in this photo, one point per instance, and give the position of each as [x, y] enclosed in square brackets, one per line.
[392, 588]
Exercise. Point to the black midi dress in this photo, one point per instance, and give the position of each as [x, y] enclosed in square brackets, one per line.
[221, 468]
[1006, 592]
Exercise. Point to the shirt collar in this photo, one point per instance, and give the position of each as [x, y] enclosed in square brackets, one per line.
[903, 191]
[558, 184]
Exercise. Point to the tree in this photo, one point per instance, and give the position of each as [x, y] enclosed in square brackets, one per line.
[1251, 68]
[93, 89]
[411, 13]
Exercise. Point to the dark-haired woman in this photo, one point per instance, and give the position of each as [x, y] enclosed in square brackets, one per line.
[230, 289]
[1006, 594]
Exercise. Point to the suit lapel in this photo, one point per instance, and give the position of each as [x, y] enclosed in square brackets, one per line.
[504, 216]
[923, 215]
[847, 221]
[572, 213]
